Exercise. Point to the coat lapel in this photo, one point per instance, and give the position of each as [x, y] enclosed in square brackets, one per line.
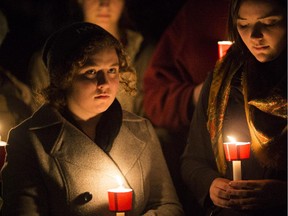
[65, 142]
[126, 150]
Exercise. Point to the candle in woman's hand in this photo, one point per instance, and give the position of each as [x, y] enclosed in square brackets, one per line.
[235, 152]
[120, 199]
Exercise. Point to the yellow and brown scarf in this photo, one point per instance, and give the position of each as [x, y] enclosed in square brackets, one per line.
[269, 144]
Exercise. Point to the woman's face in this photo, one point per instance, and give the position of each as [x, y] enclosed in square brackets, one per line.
[95, 85]
[262, 26]
[102, 12]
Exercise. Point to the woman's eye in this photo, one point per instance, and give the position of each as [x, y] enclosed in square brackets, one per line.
[90, 73]
[112, 70]
[270, 23]
[242, 25]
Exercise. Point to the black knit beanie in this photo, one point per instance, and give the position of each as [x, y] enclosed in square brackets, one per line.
[66, 46]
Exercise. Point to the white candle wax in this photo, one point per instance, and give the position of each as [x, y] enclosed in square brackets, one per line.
[237, 174]
[2, 143]
[120, 213]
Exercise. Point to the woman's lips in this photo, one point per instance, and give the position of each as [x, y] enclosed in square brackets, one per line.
[102, 96]
[260, 47]
[103, 15]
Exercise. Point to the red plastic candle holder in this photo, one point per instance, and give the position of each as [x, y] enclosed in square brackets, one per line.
[2, 153]
[120, 199]
[223, 46]
[237, 150]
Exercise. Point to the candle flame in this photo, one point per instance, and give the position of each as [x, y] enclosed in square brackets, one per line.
[119, 180]
[232, 139]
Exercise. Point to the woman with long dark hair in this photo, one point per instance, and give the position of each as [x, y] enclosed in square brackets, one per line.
[245, 97]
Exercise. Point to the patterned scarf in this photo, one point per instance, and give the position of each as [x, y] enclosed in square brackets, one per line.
[266, 113]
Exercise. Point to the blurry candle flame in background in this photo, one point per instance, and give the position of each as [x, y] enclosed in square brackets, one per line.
[0, 131]
[223, 46]
[2, 143]
[2, 151]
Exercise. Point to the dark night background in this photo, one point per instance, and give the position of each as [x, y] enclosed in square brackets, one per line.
[31, 21]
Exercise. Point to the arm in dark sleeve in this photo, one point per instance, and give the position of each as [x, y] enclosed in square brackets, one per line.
[198, 165]
[184, 54]
[168, 86]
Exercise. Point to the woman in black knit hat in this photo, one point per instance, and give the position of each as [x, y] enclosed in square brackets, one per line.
[63, 159]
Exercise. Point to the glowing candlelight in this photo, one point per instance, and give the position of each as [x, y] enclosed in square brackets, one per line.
[235, 152]
[223, 46]
[2, 152]
[120, 199]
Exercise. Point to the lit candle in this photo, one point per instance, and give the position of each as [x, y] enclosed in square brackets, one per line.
[2, 152]
[235, 152]
[2, 143]
[223, 46]
[120, 199]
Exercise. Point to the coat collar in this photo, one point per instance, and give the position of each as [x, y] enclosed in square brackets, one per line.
[65, 142]
[45, 116]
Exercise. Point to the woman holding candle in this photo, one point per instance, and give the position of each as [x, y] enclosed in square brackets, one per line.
[245, 97]
[65, 158]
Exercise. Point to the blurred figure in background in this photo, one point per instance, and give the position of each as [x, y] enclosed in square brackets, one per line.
[112, 15]
[15, 100]
[15, 96]
[186, 52]
[22, 39]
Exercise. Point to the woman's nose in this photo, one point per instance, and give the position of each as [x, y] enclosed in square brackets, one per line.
[101, 78]
[257, 31]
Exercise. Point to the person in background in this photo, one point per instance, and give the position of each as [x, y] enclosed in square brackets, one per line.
[245, 97]
[15, 96]
[68, 153]
[112, 15]
[15, 100]
[184, 55]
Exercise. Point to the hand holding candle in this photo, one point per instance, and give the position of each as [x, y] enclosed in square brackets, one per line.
[235, 152]
[120, 199]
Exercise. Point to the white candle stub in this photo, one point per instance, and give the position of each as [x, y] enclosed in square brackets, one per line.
[237, 174]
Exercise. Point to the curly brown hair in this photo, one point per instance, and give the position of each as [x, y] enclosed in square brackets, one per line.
[66, 50]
